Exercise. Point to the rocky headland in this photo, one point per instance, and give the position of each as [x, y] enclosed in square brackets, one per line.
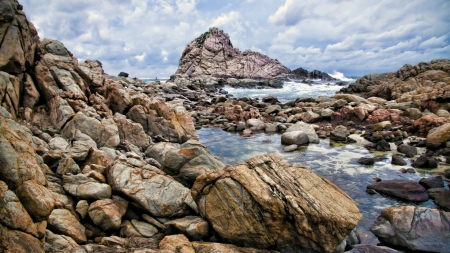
[96, 163]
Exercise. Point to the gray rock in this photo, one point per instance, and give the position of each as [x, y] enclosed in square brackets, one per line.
[294, 137]
[306, 128]
[58, 243]
[62, 221]
[416, 228]
[108, 213]
[36, 199]
[85, 187]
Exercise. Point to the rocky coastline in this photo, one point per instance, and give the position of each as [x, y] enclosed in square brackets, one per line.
[91, 162]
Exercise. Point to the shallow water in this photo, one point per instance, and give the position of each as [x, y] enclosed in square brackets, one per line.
[338, 163]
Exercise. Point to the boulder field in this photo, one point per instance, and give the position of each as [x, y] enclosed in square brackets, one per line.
[96, 163]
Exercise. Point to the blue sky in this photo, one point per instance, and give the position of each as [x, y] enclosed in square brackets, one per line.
[146, 37]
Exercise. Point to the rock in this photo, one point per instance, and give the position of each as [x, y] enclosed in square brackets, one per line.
[18, 159]
[403, 189]
[194, 227]
[114, 241]
[158, 194]
[416, 228]
[409, 151]
[366, 160]
[58, 243]
[205, 247]
[153, 221]
[425, 162]
[443, 200]
[62, 221]
[108, 213]
[434, 192]
[310, 117]
[36, 199]
[270, 128]
[12, 212]
[132, 132]
[176, 243]
[351, 98]
[290, 148]
[82, 208]
[217, 56]
[189, 161]
[105, 133]
[432, 182]
[19, 38]
[235, 199]
[14, 241]
[273, 109]
[367, 248]
[67, 166]
[144, 229]
[384, 125]
[307, 129]
[294, 137]
[438, 136]
[85, 187]
[254, 123]
[424, 124]
[158, 150]
[92, 72]
[339, 134]
[124, 74]
[398, 160]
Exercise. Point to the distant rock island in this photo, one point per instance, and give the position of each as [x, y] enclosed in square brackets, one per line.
[211, 60]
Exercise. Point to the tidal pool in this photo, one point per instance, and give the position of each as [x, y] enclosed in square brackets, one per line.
[337, 162]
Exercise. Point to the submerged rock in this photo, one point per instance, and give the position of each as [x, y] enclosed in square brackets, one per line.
[267, 202]
[404, 189]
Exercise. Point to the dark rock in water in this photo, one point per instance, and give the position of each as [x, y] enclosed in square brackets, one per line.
[409, 170]
[302, 73]
[398, 160]
[447, 173]
[443, 200]
[416, 228]
[409, 151]
[403, 189]
[366, 160]
[270, 100]
[434, 192]
[425, 162]
[432, 182]
[383, 146]
[290, 148]
[124, 74]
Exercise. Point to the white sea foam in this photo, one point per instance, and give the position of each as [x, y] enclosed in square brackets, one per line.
[340, 76]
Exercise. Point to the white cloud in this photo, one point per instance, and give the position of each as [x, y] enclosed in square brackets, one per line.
[225, 19]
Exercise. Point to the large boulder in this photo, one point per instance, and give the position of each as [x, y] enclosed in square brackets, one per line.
[62, 221]
[267, 202]
[415, 228]
[14, 241]
[438, 136]
[403, 189]
[158, 194]
[307, 129]
[36, 199]
[18, 159]
[19, 39]
[294, 137]
[108, 213]
[84, 187]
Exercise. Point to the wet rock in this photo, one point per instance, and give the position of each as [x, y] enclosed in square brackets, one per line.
[434, 192]
[438, 136]
[62, 221]
[176, 243]
[339, 134]
[273, 109]
[294, 138]
[194, 227]
[36, 199]
[307, 129]
[290, 148]
[443, 200]
[403, 189]
[432, 182]
[108, 213]
[401, 226]
[425, 162]
[85, 187]
[220, 196]
[158, 194]
[366, 160]
[254, 123]
[409, 151]
[384, 125]
[398, 160]
[270, 128]
[12, 212]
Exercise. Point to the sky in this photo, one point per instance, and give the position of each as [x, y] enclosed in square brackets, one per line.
[146, 38]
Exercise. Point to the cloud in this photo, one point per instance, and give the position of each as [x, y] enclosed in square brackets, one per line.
[147, 37]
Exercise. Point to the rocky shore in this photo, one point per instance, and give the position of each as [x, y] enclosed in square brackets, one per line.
[96, 163]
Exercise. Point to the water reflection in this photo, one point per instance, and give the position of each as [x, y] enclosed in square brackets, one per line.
[338, 163]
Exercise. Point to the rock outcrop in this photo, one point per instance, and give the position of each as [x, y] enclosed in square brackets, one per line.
[213, 55]
[267, 202]
[416, 228]
[301, 73]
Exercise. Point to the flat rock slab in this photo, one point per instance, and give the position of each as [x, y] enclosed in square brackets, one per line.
[403, 189]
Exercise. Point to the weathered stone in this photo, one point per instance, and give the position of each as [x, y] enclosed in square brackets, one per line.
[176, 243]
[85, 187]
[36, 199]
[339, 134]
[194, 227]
[432, 182]
[366, 160]
[158, 194]
[294, 137]
[409, 151]
[307, 129]
[108, 213]
[12, 213]
[64, 222]
[438, 136]
[18, 159]
[443, 200]
[58, 243]
[366, 248]
[144, 229]
[158, 150]
[14, 241]
[67, 166]
[205, 247]
[132, 132]
[398, 160]
[82, 208]
[403, 189]
[249, 204]
[416, 228]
